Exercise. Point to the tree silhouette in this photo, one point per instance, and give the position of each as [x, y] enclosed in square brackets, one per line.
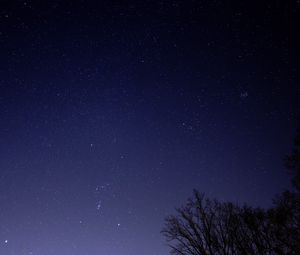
[201, 227]
[209, 227]
[285, 222]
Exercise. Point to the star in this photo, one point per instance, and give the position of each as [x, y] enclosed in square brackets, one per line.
[6, 241]
[99, 205]
[244, 94]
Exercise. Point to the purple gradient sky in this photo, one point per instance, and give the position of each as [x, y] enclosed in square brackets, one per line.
[111, 113]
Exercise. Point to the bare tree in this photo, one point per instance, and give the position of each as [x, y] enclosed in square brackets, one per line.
[209, 227]
[201, 227]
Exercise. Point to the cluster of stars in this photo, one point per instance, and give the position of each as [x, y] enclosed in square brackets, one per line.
[112, 112]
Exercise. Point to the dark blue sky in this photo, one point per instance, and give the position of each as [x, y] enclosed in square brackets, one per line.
[111, 113]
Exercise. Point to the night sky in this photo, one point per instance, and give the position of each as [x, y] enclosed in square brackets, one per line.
[111, 112]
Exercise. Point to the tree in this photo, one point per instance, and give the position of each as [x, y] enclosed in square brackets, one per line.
[201, 227]
[285, 222]
[209, 227]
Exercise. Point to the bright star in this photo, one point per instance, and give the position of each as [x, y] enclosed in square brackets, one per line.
[99, 205]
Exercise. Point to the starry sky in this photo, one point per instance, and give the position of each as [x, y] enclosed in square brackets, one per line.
[111, 112]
